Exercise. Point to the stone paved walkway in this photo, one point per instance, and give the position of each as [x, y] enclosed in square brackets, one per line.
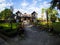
[33, 37]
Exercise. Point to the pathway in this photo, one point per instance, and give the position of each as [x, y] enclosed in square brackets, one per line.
[33, 37]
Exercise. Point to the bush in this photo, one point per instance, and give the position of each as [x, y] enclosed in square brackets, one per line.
[56, 26]
[5, 28]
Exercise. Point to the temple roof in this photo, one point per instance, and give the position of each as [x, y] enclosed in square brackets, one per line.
[18, 12]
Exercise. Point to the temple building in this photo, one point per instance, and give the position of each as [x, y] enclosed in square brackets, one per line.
[21, 17]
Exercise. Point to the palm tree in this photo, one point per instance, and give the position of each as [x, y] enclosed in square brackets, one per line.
[55, 3]
[47, 15]
[42, 16]
[54, 15]
[51, 14]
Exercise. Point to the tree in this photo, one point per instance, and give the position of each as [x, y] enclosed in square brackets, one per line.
[51, 14]
[47, 15]
[5, 14]
[55, 3]
[59, 19]
[42, 16]
[54, 15]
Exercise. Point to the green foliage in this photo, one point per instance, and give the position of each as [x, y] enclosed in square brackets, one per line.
[5, 29]
[7, 26]
[53, 18]
[5, 14]
[43, 10]
[52, 13]
[56, 26]
[59, 19]
[55, 3]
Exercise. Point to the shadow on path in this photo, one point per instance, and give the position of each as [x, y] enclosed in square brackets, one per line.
[33, 36]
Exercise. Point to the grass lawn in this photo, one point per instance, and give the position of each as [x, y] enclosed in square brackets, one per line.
[43, 25]
[6, 29]
[56, 26]
[7, 26]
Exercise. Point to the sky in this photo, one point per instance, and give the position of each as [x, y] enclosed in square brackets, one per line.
[25, 6]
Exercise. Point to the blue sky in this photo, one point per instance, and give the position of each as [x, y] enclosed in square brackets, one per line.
[25, 6]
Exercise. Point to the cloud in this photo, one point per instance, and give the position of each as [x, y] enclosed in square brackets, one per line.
[9, 4]
[24, 3]
[4, 4]
[30, 7]
[58, 13]
[39, 0]
[34, 2]
[33, 7]
[26, 6]
[2, 1]
[21, 10]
